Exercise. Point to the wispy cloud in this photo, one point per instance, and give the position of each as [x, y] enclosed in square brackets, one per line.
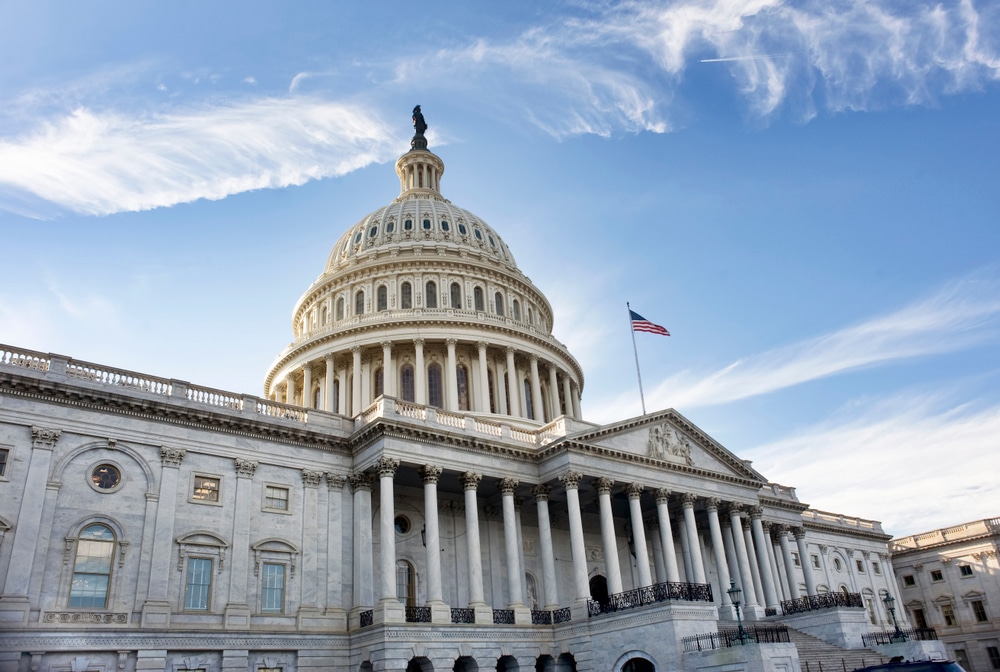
[101, 162]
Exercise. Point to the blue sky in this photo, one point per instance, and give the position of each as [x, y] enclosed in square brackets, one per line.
[804, 193]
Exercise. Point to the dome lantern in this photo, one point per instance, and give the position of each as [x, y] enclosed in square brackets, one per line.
[419, 170]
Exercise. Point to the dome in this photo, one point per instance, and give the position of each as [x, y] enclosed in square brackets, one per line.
[421, 300]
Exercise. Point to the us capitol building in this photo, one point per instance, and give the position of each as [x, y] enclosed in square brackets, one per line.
[416, 489]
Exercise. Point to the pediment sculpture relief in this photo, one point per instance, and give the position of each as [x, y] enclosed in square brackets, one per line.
[666, 443]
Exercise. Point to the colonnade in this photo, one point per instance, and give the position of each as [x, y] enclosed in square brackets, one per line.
[478, 377]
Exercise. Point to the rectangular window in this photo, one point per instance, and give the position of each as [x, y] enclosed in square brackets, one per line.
[4, 454]
[815, 561]
[860, 565]
[908, 580]
[994, 655]
[275, 498]
[795, 559]
[876, 569]
[936, 575]
[979, 610]
[206, 489]
[920, 619]
[198, 587]
[965, 570]
[949, 614]
[272, 590]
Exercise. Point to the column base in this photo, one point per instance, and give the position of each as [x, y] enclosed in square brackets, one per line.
[522, 615]
[484, 613]
[156, 614]
[440, 612]
[312, 618]
[14, 610]
[237, 617]
[337, 618]
[753, 613]
[578, 611]
[389, 610]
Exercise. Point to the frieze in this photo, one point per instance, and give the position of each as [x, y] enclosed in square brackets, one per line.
[70, 643]
[86, 618]
[665, 443]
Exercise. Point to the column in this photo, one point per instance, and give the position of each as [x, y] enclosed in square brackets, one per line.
[739, 544]
[157, 608]
[470, 481]
[290, 388]
[419, 372]
[237, 614]
[718, 549]
[541, 493]
[334, 544]
[577, 413]
[430, 474]
[507, 487]
[501, 369]
[773, 561]
[536, 391]
[342, 397]
[567, 394]
[483, 404]
[786, 556]
[763, 562]
[686, 553]
[823, 548]
[307, 386]
[451, 377]
[667, 535]
[758, 587]
[634, 491]
[311, 580]
[697, 564]
[356, 387]
[800, 540]
[727, 542]
[386, 468]
[364, 593]
[554, 392]
[571, 480]
[608, 538]
[328, 396]
[514, 384]
[388, 370]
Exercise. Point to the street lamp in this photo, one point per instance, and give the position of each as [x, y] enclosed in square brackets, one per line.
[890, 604]
[734, 596]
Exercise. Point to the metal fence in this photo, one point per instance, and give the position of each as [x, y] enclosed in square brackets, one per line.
[891, 636]
[822, 601]
[727, 637]
[660, 592]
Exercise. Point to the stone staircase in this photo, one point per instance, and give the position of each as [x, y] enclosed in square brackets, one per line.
[815, 655]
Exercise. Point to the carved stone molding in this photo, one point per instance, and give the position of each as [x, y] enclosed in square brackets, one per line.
[571, 480]
[386, 467]
[756, 511]
[470, 480]
[688, 499]
[747, 524]
[311, 478]
[245, 468]
[712, 504]
[541, 492]
[662, 495]
[800, 533]
[634, 490]
[335, 481]
[43, 438]
[430, 473]
[85, 617]
[362, 480]
[603, 485]
[172, 457]
[507, 486]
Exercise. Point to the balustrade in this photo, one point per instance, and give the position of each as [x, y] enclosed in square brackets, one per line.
[503, 616]
[418, 614]
[821, 601]
[463, 615]
[728, 637]
[658, 592]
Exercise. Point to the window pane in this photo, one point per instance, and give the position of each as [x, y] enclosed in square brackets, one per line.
[359, 303]
[206, 489]
[273, 588]
[406, 295]
[92, 569]
[383, 298]
[434, 389]
[276, 498]
[199, 584]
[89, 590]
[456, 295]
[528, 401]
[379, 383]
[406, 377]
[432, 300]
[498, 302]
[477, 296]
[463, 388]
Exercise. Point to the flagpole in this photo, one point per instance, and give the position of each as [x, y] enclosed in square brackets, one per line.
[635, 350]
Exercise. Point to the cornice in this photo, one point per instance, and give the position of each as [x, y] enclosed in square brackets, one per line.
[384, 428]
[784, 504]
[848, 531]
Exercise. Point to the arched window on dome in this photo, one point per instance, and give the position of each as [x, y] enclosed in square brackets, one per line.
[95, 550]
[435, 389]
[379, 382]
[406, 296]
[406, 382]
[382, 298]
[359, 303]
[324, 316]
[456, 296]
[339, 314]
[529, 404]
[431, 298]
[498, 303]
[516, 309]
[477, 299]
[335, 405]
[462, 375]
[531, 316]
[317, 398]
[493, 397]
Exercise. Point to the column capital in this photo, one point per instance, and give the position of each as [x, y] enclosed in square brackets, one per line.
[507, 486]
[245, 468]
[634, 490]
[386, 467]
[335, 481]
[470, 480]
[329, 358]
[451, 342]
[780, 529]
[541, 492]
[311, 478]
[713, 503]
[533, 358]
[419, 342]
[799, 532]
[386, 345]
[43, 438]
[510, 351]
[603, 485]
[756, 511]
[688, 500]
[766, 524]
[571, 479]
[430, 473]
[362, 480]
[172, 457]
[662, 495]
[355, 349]
[733, 508]
[747, 523]
[482, 345]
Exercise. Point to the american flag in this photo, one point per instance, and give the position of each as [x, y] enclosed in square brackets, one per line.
[640, 323]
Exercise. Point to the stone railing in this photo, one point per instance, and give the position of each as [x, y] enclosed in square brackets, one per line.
[106, 375]
[822, 601]
[727, 637]
[659, 592]
[972, 530]
[26, 359]
[839, 520]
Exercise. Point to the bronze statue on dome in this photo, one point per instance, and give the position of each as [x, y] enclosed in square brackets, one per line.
[419, 125]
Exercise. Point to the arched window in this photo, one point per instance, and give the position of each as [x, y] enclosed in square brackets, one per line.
[406, 380]
[529, 404]
[406, 296]
[335, 406]
[477, 298]
[456, 295]
[517, 310]
[462, 374]
[431, 298]
[493, 398]
[382, 297]
[379, 382]
[325, 316]
[95, 549]
[435, 389]
[359, 303]
[498, 303]
[317, 398]
[531, 317]
[405, 584]
[340, 309]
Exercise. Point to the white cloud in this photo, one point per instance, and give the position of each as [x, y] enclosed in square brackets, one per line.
[250, 80]
[101, 162]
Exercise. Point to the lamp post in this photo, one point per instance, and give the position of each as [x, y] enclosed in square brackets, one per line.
[734, 596]
[890, 604]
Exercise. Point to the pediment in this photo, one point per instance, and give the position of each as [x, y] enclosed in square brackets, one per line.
[668, 437]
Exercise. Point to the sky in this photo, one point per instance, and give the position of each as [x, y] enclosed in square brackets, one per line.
[805, 193]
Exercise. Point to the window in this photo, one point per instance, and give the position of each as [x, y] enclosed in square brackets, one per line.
[876, 569]
[920, 618]
[95, 549]
[860, 565]
[964, 570]
[372, 232]
[948, 612]
[516, 309]
[405, 588]
[795, 559]
[408, 225]
[456, 295]
[815, 561]
[908, 580]
[462, 374]
[435, 391]
[431, 295]
[479, 234]
[406, 379]
[979, 611]
[272, 588]
[390, 227]
[406, 296]
[937, 575]
[444, 226]
[402, 524]
[4, 455]
[498, 303]
[962, 658]
[275, 498]
[359, 303]
[335, 402]
[340, 308]
[206, 489]
[427, 225]
[106, 477]
[382, 298]
[477, 298]
[325, 315]
[994, 655]
[198, 584]
[493, 399]
[379, 383]
[357, 238]
[837, 564]
[462, 229]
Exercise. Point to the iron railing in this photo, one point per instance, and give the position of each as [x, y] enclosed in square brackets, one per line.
[503, 616]
[367, 618]
[563, 615]
[891, 636]
[727, 637]
[418, 614]
[463, 615]
[822, 601]
[541, 617]
[659, 592]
